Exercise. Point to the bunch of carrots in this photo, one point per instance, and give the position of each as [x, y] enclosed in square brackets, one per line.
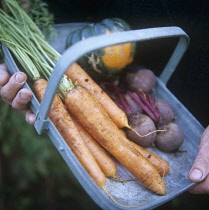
[89, 135]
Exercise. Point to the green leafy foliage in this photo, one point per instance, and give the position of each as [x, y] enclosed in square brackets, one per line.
[38, 11]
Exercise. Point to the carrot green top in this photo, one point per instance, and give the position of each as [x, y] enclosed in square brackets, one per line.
[28, 44]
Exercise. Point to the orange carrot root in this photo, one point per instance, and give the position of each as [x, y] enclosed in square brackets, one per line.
[105, 162]
[95, 119]
[77, 74]
[160, 164]
[64, 124]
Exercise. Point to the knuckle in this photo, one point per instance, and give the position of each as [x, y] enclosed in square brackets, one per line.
[203, 158]
[3, 66]
[24, 95]
[4, 76]
[5, 95]
[202, 162]
[18, 105]
[21, 100]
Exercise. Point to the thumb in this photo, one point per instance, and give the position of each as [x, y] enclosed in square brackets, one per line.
[200, 168]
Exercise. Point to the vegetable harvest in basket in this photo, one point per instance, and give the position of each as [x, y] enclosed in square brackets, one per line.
[135, 95]
[75, 103]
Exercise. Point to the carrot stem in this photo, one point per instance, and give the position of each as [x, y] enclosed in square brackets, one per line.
[19, 33]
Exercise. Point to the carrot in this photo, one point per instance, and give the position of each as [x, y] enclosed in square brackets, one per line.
[95, 119]
[63, 122]
[105, 162]
[77, 74]
[160, 164]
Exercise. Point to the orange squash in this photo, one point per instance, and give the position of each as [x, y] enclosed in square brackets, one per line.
[109, 61]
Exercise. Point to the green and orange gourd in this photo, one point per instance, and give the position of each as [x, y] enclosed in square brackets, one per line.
[106, 62]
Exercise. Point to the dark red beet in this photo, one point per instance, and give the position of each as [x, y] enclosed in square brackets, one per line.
[143, 79]
[143, 125]
[171, 139]
[165, 110]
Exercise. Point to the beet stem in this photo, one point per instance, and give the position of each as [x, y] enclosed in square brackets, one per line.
[147, 100]
[155, 111]
[123, 101]
[143, 106]
[143, 97]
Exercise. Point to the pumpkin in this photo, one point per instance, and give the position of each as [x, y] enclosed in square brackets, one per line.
[108, 62]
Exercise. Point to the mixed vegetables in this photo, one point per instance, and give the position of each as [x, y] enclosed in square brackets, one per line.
[121, 116]
[135, 94]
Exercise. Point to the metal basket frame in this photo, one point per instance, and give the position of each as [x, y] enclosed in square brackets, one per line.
[72, 54]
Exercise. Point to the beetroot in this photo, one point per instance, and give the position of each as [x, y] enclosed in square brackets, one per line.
[143, 125]
[171, 139]
[165, 110]
[143, 79]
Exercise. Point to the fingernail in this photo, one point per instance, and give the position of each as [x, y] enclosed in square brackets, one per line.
[196, 175]
[25, 97]
[31, 119]
[20, 78]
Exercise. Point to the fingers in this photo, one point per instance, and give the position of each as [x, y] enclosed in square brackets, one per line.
[12, 92]
[200, 168]
[30, 117]
[4, 76]
[11, 88]
[21, 100]
[201, 188]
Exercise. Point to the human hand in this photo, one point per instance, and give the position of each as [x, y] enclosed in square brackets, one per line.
[12, 92]
[200, 169]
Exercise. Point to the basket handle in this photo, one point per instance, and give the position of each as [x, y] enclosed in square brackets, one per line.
[79, 49]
